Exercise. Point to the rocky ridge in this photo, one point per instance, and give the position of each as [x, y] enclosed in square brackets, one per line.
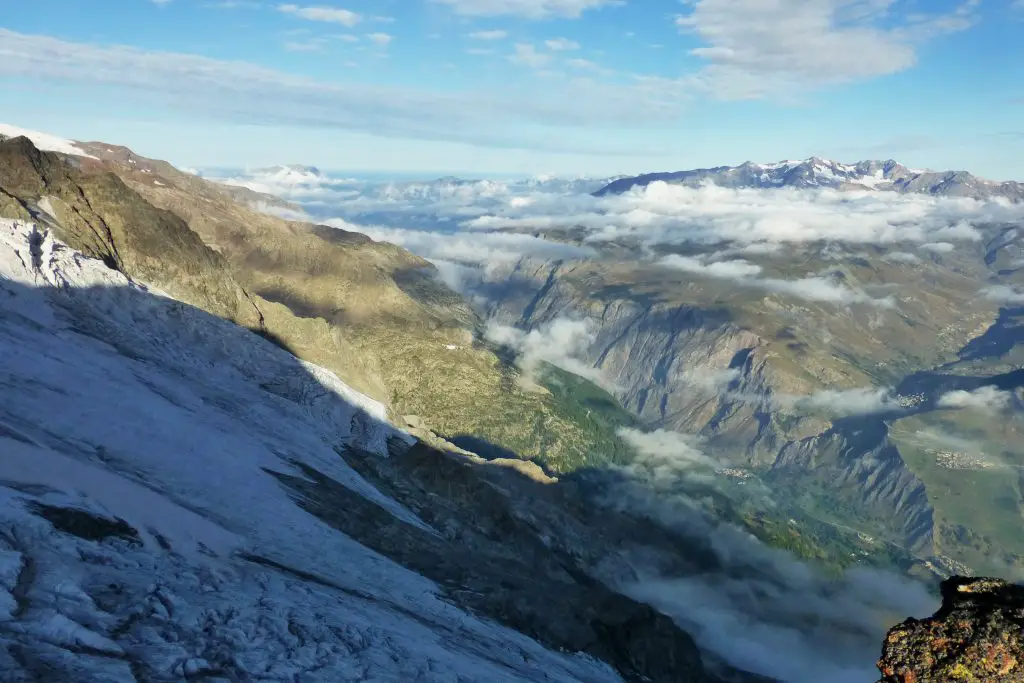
[817, 173]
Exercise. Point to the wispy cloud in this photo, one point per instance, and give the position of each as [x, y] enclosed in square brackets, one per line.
[561, 44]
[986, 399]
[381, 39]
[838, 403]
[1004, 294]
[247, 93]
[758, 601]
[316, 44]
[562, 343]
[745, 237]
[667, 453]
[757, 49]
[529, 9]
[665, 214]
[526, 54]
[234, 4]
[746, 274]
[495, 34]
[328, 14]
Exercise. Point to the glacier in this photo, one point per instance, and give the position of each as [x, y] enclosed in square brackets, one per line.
[143, 532]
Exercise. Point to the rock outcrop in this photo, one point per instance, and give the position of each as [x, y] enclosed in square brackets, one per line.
[977, 635]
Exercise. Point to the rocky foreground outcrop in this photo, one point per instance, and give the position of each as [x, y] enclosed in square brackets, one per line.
[977, 635]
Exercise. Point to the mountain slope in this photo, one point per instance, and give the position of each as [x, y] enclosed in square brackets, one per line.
[370, 311]
[95, 212]
[817, 173]
[801, 393]
[183, 511]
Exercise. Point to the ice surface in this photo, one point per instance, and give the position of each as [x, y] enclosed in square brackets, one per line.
[142, 527]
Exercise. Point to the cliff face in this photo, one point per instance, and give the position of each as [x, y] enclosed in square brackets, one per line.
[705, 369]
[977, 635]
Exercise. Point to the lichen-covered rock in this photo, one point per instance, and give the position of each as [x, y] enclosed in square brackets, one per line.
[977, 635]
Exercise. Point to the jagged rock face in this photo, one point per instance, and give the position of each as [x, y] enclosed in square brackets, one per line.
[977, 635]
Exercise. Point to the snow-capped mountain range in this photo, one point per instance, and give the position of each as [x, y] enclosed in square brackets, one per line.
[815, 172]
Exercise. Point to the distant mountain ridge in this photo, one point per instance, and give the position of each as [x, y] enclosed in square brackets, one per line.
[815, 172]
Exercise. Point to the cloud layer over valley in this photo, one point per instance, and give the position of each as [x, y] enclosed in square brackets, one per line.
[747, 237]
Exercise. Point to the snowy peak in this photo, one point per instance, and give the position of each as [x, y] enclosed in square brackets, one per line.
[816, 172]
[291, 174]
[44, 141]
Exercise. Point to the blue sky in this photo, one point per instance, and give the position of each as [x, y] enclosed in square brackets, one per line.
[524, 86]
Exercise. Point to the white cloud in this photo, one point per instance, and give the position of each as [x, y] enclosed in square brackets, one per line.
[662, 213]
[382, 39]
[821, 289]
[246, 93]
[985, 398]
[328, 14]
[161, 3]
[481, 251]
[844, 402]
[830, 403]
[527, 55]
[745, 273]
[730, 270]
[902, 257]
[496, 34]
[529, 9]
[578, 63]
[317, 44]
[749, 237]
[667, 455]
[279, 211]
[561, 342]
[712, 380]
[755, 48]
[562, 44]
[1004, 294]
[761, 603]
